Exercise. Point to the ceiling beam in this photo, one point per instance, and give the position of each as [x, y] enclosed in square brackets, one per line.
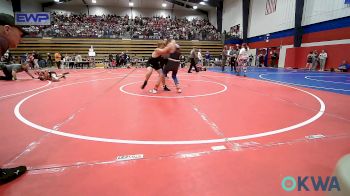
[187, 6]
[48, 4]
[212, 3]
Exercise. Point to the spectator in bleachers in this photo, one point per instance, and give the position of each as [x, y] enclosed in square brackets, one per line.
[112, 26]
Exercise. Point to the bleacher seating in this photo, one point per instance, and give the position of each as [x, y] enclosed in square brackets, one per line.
[104, 47]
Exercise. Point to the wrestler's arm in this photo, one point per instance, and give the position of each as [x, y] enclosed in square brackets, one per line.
[27, 71]
[170, 47]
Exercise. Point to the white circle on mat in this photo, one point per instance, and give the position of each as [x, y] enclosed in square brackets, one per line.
[175, 97]
[178, 142]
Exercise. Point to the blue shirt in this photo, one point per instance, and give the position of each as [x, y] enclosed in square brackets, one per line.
[346, 66]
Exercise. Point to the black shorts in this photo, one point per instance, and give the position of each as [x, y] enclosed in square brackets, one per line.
[163, 62]
[171, 67]
[8, 74]
[155, 67]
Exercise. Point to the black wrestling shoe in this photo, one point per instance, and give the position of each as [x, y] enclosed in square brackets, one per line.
[166, 88]
[144, 85]
[9, 174]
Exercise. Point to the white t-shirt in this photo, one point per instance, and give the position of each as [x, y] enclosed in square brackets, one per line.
[323, 56]
[243, 53]
[200, 57]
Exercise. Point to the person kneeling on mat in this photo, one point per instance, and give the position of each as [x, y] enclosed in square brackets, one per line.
[10, 71]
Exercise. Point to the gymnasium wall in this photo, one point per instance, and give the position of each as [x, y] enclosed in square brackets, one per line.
[232, 14]
[31, 6]
[281, 19]
[316, 11]
[212, 17]
[296, 57]
[322, 21]
[26, 6]
[6, 7]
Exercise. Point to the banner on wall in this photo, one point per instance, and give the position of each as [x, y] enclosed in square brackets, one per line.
[347, 1]
[38, 18]
[270, 6]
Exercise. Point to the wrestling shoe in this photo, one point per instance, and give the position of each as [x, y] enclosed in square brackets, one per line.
[9, 174]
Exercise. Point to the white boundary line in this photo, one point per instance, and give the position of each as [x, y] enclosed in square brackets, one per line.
[311, 78]
[303, 85]
[174, 97]
[9, 95]
[77, 72]
[188, 142]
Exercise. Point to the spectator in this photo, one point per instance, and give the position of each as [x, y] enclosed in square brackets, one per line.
[10, 36]
[78, 60]
[314, 60]
[36, 60]
[49, 60]
[207, 58]
[58, 59]
[112, 26]
[344, 66]
[322, 57]
[309, 60]
[117, 60]
[223, 58]
[274, 57]
[261, 59]
[232, 53]
[200, 57]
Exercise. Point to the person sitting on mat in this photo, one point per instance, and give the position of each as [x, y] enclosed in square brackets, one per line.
[50, 75]
[344, 66]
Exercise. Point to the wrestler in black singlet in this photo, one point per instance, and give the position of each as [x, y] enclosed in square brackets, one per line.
[154, 63]
[173, 65]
